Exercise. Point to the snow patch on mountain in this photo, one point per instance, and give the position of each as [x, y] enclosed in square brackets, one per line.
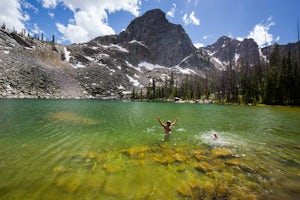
[150, 66]
[67, 54]
[135, 82]
[115, 47]
[137, 42]
[133, 67]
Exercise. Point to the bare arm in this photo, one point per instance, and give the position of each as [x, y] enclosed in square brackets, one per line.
[173, 124]
[158, 118]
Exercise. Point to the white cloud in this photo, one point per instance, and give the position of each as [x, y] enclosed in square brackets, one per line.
[190, 19]
[90, 17]
[11, 15]
[261, 35]
[171, 12]
[51, 14]
[205, 37]
[27, 5]
[50, 3]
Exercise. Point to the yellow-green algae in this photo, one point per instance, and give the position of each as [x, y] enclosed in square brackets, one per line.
[163, 172]
[73, 118]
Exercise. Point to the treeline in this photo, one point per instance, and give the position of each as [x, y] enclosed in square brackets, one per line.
[25, 33]
[187, 88]
[282, 85]
[274, 82]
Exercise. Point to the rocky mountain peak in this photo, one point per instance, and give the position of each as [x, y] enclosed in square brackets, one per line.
[146, 27]
[227, 50]
[167, 43]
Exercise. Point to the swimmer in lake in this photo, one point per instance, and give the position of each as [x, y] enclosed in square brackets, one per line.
[214, 135]
[167, 126]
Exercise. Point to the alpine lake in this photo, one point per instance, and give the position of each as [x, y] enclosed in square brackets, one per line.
[96, 149]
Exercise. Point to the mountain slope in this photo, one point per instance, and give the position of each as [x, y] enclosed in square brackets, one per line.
[231, 51]
[150, 50]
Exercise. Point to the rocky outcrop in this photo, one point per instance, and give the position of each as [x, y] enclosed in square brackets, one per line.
[228, 51]
[168, 43]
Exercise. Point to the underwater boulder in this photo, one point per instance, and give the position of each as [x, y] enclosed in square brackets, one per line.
[109, 168]
[221, 153]
[193, 189]
[179, 157]
[137, 152]
[60, 169]
[186, 188]
[200, 157]
[204, 167]
[73, 118]
[163, 159]
[233, 162]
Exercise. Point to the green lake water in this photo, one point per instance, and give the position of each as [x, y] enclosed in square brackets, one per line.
[92, 149]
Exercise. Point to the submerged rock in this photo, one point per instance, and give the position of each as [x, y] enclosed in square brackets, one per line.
[60, 169]
[163, 159]
[186, 188]
[196, 190]
[73, 118]
[221, 153]
[204, 167]
[137, 152]
[233, 162]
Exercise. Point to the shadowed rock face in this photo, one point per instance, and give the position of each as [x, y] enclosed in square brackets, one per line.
[164, 43]
[168, 43]
[237, 52]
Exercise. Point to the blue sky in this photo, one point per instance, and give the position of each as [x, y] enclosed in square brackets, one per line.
[77, 21]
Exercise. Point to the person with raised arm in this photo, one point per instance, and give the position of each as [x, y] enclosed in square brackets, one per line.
[167, 126]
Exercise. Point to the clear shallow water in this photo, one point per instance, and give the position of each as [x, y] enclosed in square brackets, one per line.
[88, 149]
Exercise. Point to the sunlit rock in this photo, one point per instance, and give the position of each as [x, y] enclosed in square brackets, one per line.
[181, 168]
[221, 153]
[168, 152]
[199, 152]
[60, 169]
[179, 150]
[185, 190]
[204, 167]
[163, 159]
[233, 162]
[194, 189]
[181, 157]
[137, 152]
[200, 157]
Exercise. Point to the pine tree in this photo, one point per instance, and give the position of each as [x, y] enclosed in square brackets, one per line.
[271, 87]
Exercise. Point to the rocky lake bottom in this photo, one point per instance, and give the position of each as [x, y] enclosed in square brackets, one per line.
[90, 149]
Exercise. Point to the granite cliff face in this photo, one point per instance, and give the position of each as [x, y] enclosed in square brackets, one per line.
[150, 49]
[228, 51]
[168, 43]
